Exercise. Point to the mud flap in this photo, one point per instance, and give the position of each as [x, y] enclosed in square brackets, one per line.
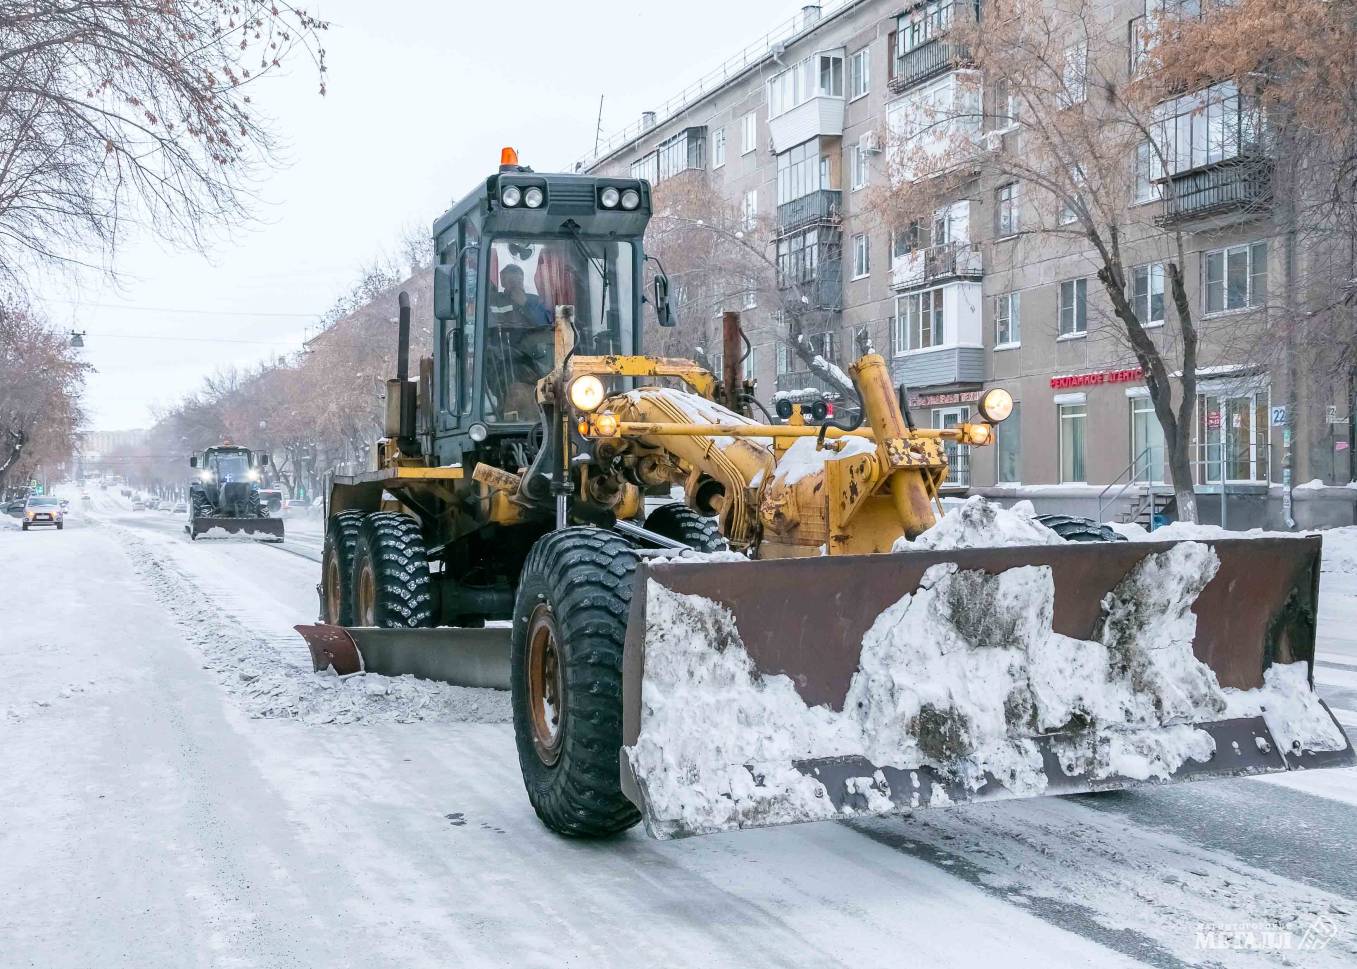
[462, 657]
[791, 634]
[263, 529]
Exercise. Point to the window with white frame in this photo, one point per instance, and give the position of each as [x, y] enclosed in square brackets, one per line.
[861, 254]
[1235, 278]
[749, 133]
[751, 293]
[749, 209]
[1147, 293]
[1007, 320]
[859, 73]
[1073, 307]
[820, 75]
[1006, 209]
[1208, 126]
[750, 363]
[800, 172]
[921, 25]
[823, 345]
[859, 159]
[718, 147]
[1005, 104]
[1074, 76]
[783, 360]
[647, 168]
[1149, 171]
[1073, 420]
[919, 320]
[1067, 210]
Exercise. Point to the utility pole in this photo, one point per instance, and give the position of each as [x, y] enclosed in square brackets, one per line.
[598, 128]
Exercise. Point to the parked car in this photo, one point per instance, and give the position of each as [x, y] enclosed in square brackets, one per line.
[296, 506]
[153, 503]
[180, 508]
[43, 510]
[15, 508]
[138, 505]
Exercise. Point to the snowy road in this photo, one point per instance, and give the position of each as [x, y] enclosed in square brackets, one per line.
[174, 796]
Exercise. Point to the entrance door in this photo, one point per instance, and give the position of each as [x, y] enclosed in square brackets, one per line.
[1232, 430]
[958, 455]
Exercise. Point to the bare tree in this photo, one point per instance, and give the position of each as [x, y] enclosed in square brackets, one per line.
[132, 111]
[1064, 120]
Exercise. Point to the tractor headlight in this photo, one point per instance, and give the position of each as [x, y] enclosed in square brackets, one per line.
[978, 433]
[511, 196]
[996, 405]
[586, 392]
[533, 198]
[252, 475]
[478, 432]
[205, 476]
[609, 197]
[630, 199]
[605, 425]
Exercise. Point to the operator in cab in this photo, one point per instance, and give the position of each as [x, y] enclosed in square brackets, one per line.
[514, 306]
[518, 342]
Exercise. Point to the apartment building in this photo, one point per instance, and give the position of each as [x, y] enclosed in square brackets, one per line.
[793, 130]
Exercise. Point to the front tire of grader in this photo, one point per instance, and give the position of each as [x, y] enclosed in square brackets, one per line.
[336, 570]
[570, 621]
[684, 524]
[390, 585]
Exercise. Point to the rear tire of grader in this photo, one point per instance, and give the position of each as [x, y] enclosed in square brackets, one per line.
[570, 620]
[391, 586]
[1074, 529]
[336, 569]
[683, 524]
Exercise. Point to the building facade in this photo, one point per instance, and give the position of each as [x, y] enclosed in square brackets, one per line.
[795, 133]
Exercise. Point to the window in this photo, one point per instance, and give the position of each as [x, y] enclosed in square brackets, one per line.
[859, 158]
[1073, 307]
[1236, 278]
[1206, 127]
[1149, 169]
[471, 255]
[718, 147]
[1072, 418]
[798, 258]
[681, 152]
[783, 361]
[749, 133]
[647, 168]
[751, 293]
[859, 73]
[1007, 320]
[1009, 448]
[831, 75]
[750, 363]
[918, 321]
[1074, 76]
[1005, 104]
[820, 75]
[1147, 442]
[749, 211]
[1147, 293]
[922, 25]
[862, 340]
[1006, 209]
[800, 172]
[823, 345]
[861, 261]
[1067, 210]
[1232, 429]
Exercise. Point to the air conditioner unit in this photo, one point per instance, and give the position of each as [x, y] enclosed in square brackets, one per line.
[994, 140]
[870, 142]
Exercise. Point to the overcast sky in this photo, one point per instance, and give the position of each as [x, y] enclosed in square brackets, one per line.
[422, 95]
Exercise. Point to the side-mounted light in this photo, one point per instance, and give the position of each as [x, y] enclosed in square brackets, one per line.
[586, 392]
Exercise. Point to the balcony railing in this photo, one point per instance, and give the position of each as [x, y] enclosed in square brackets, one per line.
[819, 289]
[819, 206]
[926, 62]
[922, 267]
[795, 380]
[1241, 185]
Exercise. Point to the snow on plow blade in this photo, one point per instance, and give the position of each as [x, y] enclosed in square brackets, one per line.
[264, 529]
[780, 691]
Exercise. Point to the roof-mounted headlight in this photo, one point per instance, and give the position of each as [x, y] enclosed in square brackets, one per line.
[511, 196]
[609, 197]
[533, 198]
[630, 199]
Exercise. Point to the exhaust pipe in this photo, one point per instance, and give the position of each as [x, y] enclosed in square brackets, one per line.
[408, 391]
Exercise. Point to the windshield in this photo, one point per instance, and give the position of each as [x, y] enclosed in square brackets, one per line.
[42, 501]
[231, 467]
[530, 278]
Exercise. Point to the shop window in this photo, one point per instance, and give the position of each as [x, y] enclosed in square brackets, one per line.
[1147, 442]
[1073, 420]
[1232, 430]
[1009, 448]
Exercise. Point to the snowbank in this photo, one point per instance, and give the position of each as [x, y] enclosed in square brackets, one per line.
[959, 675]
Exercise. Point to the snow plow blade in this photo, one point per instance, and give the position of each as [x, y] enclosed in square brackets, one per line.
[462, 657]
[774, 692]
[263, 529]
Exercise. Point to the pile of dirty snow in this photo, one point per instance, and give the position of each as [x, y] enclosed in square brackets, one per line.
[978, 523]
[958, 675]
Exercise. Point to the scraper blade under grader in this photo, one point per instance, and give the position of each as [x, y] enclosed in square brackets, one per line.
[262, 529]
[804, 689]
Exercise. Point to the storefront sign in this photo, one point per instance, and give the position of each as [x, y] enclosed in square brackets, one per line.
[1128, 376]
[941, 400]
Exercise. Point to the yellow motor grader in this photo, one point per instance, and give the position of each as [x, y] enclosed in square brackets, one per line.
[519, 531]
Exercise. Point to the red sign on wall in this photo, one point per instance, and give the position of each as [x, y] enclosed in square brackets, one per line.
[1128, 376]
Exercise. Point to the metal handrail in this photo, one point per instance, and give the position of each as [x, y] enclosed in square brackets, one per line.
[1104, 501]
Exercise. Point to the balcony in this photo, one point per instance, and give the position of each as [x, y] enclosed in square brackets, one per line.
[940, 366]
[1242, 186]
[936, 264]
[817, 207]
[820, 117]
[795, 380]
[928, 61]
[818, 289]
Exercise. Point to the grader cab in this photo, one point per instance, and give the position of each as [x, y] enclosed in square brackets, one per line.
[518, 532]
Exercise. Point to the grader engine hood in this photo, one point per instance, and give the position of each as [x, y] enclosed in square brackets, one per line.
[772, 692]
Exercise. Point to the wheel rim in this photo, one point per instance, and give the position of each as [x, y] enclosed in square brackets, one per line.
[546, 685]
[332, 590]
[366, 606]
